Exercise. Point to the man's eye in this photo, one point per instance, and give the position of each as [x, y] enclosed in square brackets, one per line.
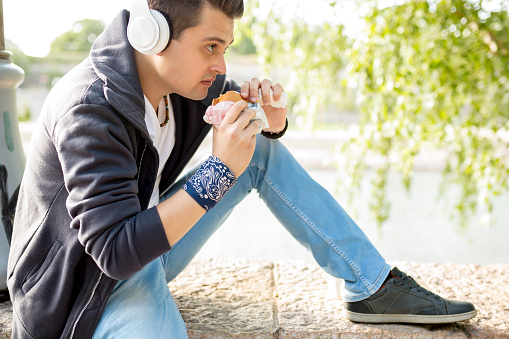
[226, 49]
[211, 48]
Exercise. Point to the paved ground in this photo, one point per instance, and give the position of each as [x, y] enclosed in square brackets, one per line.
[291, 299]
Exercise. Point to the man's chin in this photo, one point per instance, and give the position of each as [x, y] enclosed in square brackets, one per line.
[198, 95]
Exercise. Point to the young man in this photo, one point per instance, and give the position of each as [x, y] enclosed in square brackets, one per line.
[102, 224]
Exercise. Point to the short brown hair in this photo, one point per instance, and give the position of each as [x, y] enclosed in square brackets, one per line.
[184, 14]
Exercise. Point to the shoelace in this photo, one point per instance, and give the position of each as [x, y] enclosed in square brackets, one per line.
[409, 282]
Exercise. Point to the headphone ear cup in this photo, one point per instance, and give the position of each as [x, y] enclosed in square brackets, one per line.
[148, 35]
[164, 32]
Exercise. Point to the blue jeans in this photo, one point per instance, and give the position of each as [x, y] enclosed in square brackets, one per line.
[142, 306]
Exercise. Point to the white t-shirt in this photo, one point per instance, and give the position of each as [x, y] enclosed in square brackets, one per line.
[163, 138]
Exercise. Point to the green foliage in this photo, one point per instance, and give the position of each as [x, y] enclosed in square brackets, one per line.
[428, 74]
[435, 72]
[80, 38]
[243, 43]
[25, 114]
[312, 54]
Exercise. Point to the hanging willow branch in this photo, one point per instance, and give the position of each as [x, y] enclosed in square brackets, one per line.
[427, 74]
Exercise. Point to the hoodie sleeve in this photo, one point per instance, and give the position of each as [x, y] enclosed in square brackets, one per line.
[100, 174]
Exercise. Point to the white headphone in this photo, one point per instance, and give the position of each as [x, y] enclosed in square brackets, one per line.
[148, 30]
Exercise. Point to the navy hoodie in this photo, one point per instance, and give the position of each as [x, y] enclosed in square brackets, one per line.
[82, 221]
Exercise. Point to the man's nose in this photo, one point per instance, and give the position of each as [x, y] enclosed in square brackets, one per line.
[220, 66]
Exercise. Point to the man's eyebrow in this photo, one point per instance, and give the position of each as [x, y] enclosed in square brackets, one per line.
[217, 39]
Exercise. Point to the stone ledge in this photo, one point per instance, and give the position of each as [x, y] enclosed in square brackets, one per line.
[223, 299]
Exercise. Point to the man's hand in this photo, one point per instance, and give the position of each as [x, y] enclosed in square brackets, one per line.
[275, 116]
[234, 140]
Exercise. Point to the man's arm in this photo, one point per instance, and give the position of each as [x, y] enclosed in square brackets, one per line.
[100, 172]
[178, 215]
[233, 144]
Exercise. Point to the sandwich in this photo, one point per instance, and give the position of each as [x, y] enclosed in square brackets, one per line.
[216, 112]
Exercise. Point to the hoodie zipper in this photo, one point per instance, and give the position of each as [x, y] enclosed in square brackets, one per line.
[86, 305]
[141, 160]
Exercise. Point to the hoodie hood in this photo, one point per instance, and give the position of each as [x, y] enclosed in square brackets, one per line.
[112, 58]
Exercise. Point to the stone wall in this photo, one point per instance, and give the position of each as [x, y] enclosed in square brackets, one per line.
[257, 299]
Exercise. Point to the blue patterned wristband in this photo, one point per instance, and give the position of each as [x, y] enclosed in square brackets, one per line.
[210, 183]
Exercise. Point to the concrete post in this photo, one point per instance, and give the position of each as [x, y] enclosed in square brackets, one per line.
[12, 157]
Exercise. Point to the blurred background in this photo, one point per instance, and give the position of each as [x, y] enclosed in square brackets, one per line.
[399, 108]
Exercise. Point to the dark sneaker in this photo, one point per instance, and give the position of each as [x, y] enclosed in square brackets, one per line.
[402, 300]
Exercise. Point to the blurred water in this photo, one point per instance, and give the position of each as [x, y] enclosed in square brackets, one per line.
[419, 227]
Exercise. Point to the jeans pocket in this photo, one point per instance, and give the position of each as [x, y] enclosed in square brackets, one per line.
[39, 268]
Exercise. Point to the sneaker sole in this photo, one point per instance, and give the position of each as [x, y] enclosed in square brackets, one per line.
[408, 318]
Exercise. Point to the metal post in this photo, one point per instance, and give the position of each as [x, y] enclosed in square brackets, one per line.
[2, 36]
[12, 157]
